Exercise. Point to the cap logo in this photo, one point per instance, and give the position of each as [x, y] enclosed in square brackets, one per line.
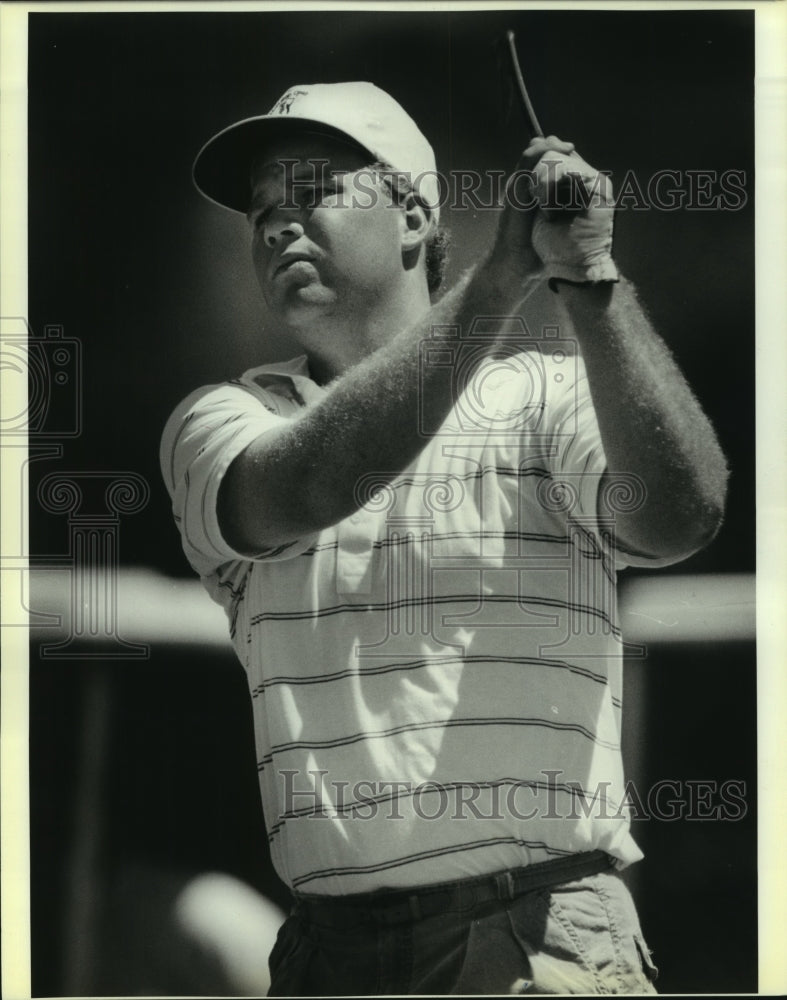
[283, 105]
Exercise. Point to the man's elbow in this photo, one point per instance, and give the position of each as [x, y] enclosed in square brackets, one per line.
[707, 510]
[672, 533]
[705, 526]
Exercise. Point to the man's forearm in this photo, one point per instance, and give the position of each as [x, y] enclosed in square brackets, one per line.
[304, 476]
[651, 424]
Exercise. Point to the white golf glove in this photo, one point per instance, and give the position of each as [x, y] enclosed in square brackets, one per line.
[574, 243]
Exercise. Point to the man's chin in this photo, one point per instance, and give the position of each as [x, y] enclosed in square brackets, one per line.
[303, 305]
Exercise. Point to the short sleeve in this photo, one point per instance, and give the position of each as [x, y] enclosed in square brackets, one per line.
[206, 432]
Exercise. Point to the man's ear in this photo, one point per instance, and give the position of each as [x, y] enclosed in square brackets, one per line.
[416, 223]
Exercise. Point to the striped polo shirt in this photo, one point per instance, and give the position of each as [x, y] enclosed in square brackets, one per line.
[436, 679]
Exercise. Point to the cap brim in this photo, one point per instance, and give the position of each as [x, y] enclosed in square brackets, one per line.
[222, 168]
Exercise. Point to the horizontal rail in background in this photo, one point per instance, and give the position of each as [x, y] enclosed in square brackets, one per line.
[152, 608]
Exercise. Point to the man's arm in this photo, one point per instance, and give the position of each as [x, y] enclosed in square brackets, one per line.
[650, 421]
[302, 477]
[651, 424]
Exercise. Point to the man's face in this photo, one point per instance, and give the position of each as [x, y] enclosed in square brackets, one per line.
[325, 237]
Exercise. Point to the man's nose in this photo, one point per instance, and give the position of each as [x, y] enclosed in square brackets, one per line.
[281, 226]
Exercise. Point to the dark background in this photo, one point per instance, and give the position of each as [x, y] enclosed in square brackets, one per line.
[156, 286]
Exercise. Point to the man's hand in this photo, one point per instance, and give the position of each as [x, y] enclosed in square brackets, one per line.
[558, 217]
[572, 233]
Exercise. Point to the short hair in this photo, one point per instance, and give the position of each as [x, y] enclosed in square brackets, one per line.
[438, 243]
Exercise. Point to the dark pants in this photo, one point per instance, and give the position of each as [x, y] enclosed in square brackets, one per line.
[580, 936]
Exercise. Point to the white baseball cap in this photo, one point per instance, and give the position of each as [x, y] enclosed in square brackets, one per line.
[360, 111]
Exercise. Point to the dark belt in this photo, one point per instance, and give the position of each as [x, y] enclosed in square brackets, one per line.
[399, 906]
